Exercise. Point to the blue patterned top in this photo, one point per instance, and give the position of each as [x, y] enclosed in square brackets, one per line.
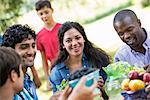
[29, 90]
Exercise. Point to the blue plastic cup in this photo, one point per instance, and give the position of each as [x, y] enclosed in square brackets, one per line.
[90, 79]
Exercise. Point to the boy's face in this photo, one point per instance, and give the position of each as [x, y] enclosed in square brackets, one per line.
[45, 14]
[26, 49]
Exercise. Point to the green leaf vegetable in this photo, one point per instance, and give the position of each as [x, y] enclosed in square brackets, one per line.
[62, 85]
[117, 72]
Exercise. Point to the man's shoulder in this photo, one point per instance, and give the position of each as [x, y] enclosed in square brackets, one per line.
[41, 31]
[59, 24]
[147, 41]
[123, 51]
[148, 34]
[124, 48]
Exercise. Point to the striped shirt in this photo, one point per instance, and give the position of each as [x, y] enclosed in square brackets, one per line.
[28, 92]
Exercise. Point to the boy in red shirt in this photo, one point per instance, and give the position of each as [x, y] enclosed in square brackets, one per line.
[47, 40]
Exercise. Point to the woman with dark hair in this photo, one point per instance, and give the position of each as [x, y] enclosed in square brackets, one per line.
[76, 51]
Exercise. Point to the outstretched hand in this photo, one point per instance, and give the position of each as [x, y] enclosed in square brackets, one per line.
[82, 92]
[65, 94]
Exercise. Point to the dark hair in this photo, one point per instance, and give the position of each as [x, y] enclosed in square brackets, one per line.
[9, 60]
[96, 56]
[42, 3]
[16, 34]
[124, 13]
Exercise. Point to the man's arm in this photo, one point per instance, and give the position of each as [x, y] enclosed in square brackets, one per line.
[35, 77]
[45, 68]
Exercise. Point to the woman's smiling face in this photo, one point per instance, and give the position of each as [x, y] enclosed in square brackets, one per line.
[73, 42]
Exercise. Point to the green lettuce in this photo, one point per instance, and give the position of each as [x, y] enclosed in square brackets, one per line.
[116, 73]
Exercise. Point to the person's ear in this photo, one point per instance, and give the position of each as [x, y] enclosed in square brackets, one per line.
[13, 76]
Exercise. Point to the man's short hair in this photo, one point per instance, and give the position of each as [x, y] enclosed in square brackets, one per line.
[16, 34]
[123, 13]
[42, 3]
[9, 60]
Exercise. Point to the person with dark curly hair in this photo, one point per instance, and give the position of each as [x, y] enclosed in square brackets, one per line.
[76, 51]
[11, 74]
[22, 39]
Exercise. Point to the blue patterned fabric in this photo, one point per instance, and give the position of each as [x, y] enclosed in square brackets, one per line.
[29, 90]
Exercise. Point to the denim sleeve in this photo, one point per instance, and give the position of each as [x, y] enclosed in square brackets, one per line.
[55, 78]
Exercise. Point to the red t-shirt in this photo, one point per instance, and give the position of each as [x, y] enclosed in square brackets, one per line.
[47, 41]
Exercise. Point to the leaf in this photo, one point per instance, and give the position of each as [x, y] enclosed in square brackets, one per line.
[116, 73]
[62, 85]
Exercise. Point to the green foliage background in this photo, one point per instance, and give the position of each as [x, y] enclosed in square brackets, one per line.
[83, 11]
[10, 10]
